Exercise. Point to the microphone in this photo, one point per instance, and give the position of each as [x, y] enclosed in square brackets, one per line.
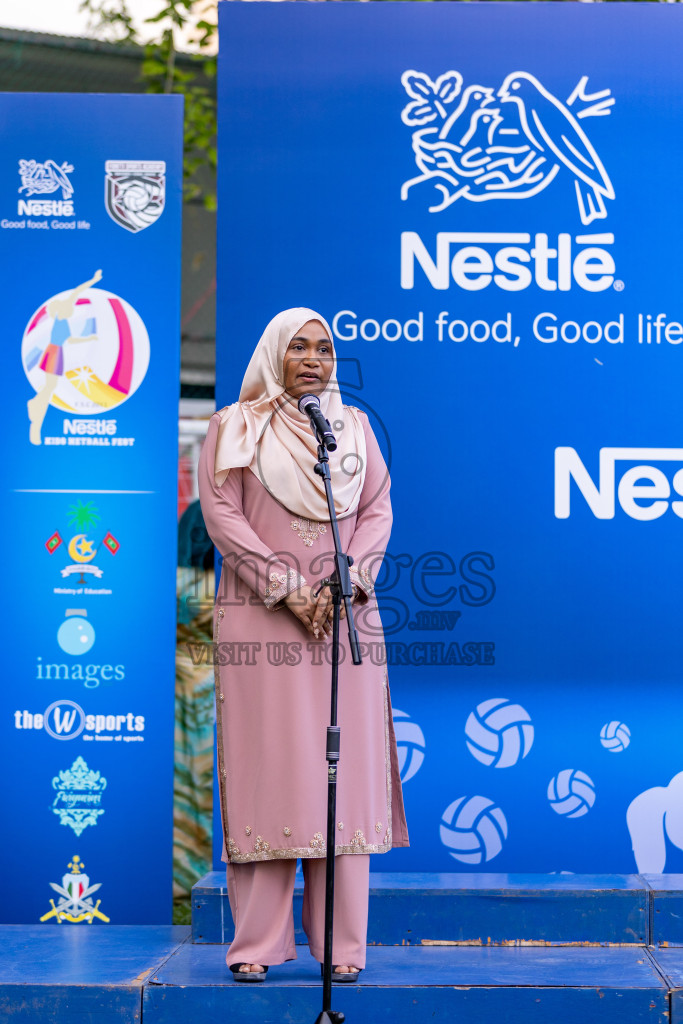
[310, 405]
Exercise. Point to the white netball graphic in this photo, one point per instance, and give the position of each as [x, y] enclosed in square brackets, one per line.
[571, 793]
[410, 742]
[499, 733]
[615, 737]
[473, 828]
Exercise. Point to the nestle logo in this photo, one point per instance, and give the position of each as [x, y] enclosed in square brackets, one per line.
[643, 483]
[514, 262]
[45, 208]
[82, 426]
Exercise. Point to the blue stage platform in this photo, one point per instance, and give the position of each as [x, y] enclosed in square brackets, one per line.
[474, 948]
[481, 908]
[666, 908]
[80, 974]
[468, 984]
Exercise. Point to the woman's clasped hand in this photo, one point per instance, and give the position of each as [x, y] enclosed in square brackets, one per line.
[314, 608]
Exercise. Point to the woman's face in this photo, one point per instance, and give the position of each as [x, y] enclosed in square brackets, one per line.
[308, 361]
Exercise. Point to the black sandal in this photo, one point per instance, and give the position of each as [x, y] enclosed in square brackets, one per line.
[239, 975]
[348, 977]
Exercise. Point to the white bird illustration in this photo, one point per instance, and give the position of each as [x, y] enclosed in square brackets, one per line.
[467, 145]
[551, 128]
[473, 98]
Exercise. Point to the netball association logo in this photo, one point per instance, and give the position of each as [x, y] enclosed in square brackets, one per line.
[135, 192]
[85, 351]
[479, 143]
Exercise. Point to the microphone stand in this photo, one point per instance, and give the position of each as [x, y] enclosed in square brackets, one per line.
[340, 588]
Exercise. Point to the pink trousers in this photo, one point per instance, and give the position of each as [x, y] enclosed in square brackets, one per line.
[261, 896]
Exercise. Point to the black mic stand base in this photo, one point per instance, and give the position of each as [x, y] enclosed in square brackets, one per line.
[340, 588]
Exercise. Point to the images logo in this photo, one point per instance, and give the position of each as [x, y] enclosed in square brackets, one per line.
[44, 179]
[509, 146]
[75, 903]
[79, 796]
[84, 350]
[135, 192]
[76, 635]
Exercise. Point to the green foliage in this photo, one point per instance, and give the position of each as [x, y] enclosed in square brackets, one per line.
[111, 19]
[83, 514]
[161, 72]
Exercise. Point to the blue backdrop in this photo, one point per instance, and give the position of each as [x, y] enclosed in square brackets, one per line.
[90, 192]
[466, 191]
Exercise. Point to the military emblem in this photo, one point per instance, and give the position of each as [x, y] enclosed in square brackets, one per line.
[478, 144]
[79, 796]
[75, 903]
[135, 192]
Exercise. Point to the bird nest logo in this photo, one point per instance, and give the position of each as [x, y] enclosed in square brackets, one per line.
[479, 144]
[43, 179]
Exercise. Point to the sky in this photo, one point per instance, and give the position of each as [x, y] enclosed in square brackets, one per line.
[62, 17]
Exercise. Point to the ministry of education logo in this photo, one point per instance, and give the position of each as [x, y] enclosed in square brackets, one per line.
[135, 192]
[82, 548]
[75, 903]
[477, 143]
[79, 796]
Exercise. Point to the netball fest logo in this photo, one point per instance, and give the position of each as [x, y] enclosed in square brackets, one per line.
[479, 144]
[135, 192]
[85, 351]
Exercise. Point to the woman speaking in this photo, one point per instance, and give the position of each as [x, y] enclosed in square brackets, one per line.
[266, 512]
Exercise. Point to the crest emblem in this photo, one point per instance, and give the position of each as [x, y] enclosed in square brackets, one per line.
[82, 547]
[478, 143]
[79, 796]
[135, 192]
[75, 903]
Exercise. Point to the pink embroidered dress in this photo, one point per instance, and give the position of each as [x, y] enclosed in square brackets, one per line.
[273, 678]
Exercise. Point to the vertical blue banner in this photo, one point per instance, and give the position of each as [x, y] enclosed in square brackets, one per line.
[482, 200]
[90, 219]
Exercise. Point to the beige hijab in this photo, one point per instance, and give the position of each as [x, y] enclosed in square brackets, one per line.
[266, 432]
